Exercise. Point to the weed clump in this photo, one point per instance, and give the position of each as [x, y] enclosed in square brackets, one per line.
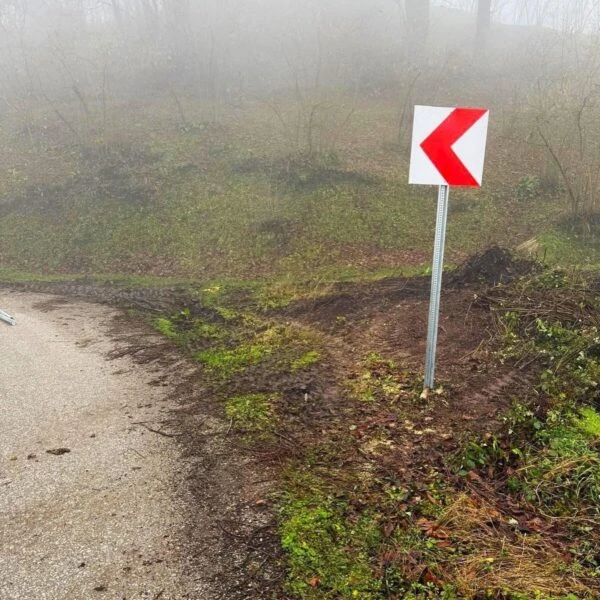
[251, 412]
[329, 549]
[226, 362]
[305, 361]
[561, 471]
[380, 380]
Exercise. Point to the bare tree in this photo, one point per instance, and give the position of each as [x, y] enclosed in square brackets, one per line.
[416, 19]
[417, 26]
[484, 20]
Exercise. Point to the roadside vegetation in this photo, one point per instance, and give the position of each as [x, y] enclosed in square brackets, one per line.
[382, 495]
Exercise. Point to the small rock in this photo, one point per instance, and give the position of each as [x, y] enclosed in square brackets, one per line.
[58, 451]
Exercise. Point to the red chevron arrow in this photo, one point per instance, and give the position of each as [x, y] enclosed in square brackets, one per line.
[438, 146]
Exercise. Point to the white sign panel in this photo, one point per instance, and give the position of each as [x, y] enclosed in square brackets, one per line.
[448, 146]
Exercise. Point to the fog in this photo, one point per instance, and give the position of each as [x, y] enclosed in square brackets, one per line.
[229, 50]
[332, 80]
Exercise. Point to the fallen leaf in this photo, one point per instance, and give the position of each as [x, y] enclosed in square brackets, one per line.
[473, 476]
[389, 557]
[314, 581]
[429, 577]
[536, 524]
[432, 530]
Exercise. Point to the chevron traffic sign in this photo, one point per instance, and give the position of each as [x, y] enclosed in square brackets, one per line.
[448, 146]
[448, 149]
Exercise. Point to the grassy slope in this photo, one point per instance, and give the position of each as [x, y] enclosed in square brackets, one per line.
[152, 196]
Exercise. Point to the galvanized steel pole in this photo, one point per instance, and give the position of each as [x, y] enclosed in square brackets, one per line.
[436, 284]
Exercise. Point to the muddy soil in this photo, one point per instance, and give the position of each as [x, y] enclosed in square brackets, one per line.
[232, 485]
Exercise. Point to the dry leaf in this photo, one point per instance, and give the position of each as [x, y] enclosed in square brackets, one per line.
[473, 476]
[388, 529]
[432, 530]
[429, 577]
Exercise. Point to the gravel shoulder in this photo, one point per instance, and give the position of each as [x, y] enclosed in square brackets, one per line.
[105, 514]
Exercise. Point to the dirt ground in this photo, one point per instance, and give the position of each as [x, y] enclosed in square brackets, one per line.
[390, 318]
[230, 532]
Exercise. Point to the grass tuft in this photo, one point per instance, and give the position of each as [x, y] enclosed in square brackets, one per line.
[305, 361]
[251, 412]
[329, 549]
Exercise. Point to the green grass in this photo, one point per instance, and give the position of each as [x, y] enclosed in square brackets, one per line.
[117, 279]
[190, 332]
[305, 361]
[234, 202]
[251, 412]
[166, 327]
[329, 550]
[224, 362]
[561, 248]
[559, 468]
[589, 422]
[561, 471]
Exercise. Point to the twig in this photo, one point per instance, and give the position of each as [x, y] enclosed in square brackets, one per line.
[283, 437]
[474, 351]
[163, 433]
[239, 536]
[561, 168]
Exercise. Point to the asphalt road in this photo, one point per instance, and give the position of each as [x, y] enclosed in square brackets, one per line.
[101, 520]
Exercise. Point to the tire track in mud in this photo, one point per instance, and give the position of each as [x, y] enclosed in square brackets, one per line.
[144, 298]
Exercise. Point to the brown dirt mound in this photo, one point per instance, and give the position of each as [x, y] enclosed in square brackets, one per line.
[491, 267]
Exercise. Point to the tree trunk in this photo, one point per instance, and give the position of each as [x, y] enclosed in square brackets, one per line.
[484, 21]
[417, 26]
[178, 16]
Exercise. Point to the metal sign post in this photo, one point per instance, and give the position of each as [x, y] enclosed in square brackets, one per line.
[448, 149]
[7, 318]
[436, 284]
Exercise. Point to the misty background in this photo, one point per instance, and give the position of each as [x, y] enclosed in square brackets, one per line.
[127, 119]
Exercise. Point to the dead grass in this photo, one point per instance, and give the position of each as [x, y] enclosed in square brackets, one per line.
[504, 558]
